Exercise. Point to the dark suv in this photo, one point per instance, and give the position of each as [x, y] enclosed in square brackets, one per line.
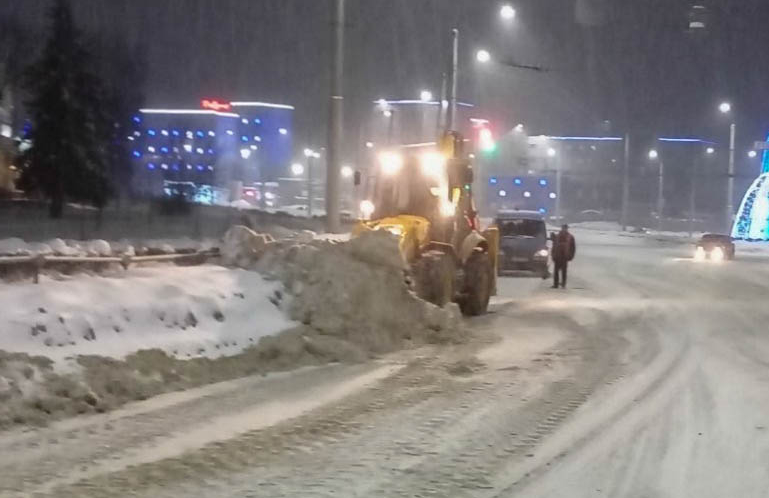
[523, 242]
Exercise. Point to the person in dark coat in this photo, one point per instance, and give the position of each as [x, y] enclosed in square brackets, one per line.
[564, 249]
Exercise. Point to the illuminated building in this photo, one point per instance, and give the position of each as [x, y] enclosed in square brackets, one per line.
[214, 150]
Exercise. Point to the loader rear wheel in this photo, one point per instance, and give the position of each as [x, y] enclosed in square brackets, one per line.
[477, 287]
[434, 277]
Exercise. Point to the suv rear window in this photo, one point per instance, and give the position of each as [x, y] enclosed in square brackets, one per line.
[521, 228]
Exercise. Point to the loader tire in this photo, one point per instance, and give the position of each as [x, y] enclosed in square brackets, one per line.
[434, 277]
[477, 285]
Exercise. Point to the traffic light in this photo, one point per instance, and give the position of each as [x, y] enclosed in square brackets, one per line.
[486, 142]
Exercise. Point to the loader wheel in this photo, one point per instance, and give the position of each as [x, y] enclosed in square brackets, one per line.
[434, 277]
[477, 290]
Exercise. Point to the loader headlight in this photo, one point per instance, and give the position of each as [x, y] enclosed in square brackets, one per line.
[717, 254]
[446, 208]
[542, 253]
[390, 162]
[699, 254]
[395, 230]
[432, 164]
[366, 209]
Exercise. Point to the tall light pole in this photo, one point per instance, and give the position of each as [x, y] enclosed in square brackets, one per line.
[726, 108]
[626, 184]
[453, 78]
[334, 157]
[551, 153]
[654, 156]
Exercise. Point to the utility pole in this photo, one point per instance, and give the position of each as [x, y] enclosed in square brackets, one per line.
[692, 197]
[334, 157]
[730, 180]
[441, 111]
[660, 194]
[626, 185]
[452, 110]
[309, 187]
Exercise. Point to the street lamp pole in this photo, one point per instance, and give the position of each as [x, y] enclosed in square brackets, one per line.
[660, 194]
[452, 110]
[730, 179]
[309, 186]
[693, 196]
[334, 157]
[626, 184]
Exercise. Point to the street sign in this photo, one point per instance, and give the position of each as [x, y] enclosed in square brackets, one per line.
[761, 146]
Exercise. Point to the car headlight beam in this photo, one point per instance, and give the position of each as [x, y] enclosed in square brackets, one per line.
[717, 254]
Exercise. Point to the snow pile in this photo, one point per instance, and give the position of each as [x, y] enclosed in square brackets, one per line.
[183, 311]
[97, 247]
[356, 291]
[242, 245]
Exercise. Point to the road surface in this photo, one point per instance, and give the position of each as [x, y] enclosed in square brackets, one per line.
[648, 377]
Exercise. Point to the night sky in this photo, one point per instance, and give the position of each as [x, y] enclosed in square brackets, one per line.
[630, 62]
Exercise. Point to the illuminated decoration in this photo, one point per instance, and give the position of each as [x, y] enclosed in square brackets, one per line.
[244, 138]
[130, 138]
[136, 153]
[518, 181]
[210, 151]
[244, 121]
[199, 150]
[587, 139]
[164, 150]
[230, 132]
[164, 133]
[150, 166]
[215, 105]
[262, 104]
[189, 111]
[137, 119]
[199, 133]
[257, 138]
[542, 210]
[492, 180]
[164, 166]
[189, 166]
[211, 133]
[210, 168]
[257, 121]
[283, 131]
[254, 147]
[200, 167]
[245, 153]
[175, 133]
[137, 134]
[752, 221]
[384, 103]
[543, 182]
[151, 132]
[686, 140]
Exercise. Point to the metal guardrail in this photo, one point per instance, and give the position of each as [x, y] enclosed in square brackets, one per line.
[38, 261]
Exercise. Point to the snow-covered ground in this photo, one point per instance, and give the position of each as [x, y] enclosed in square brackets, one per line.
[18, 247]
[185, 311]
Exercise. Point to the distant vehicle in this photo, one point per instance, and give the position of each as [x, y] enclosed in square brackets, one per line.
[715, 247]
[523, 242]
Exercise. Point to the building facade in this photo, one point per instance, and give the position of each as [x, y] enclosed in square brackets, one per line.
[210, 154]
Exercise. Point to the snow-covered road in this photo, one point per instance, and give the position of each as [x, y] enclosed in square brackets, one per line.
[649, 377]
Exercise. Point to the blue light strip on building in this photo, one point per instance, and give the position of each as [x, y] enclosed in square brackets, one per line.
[413, 102]
[686, 140]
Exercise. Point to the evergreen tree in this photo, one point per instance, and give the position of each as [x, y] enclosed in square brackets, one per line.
[71, 128]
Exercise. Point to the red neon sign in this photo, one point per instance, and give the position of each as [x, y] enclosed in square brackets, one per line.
[215, 105]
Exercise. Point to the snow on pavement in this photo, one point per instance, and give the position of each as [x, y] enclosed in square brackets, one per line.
[185, 311]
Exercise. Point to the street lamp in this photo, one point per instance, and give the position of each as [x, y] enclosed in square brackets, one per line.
[297, 169]
[426, 96]
[726, 108]
[387, 113]
[551, 152]
[710, 150]
[346, 171]
[369, 145]
[654, 156]
[752, 154]
[507, 12]
[483, 56]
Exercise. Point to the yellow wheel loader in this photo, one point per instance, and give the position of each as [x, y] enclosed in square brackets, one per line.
[424, 197]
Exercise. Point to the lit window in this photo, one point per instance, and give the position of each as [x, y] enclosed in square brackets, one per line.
[211, 133]
[543, 182]
[150, 166]
[542, 210]
[527, 194]
[199, 150]
[230, 132]
[176, 149]
[137, 134]
[188, 134]
[210, 151]
[254, 147]
[552, 195]
[188, 147]
[164, 133]
[130, 139]
[151, 132]
[164, 150]
[257, 121]
[244, 138]
[200, 167]
[492, 180]
[283, 131]
[502, 193]
[164, 166]
[200, 133]
[518, 181]
[244, 121]
[137, 153]
[189, 166]
[257, 138]
[175, 133]
[137, 119]
[151, 149]
[210, 168]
